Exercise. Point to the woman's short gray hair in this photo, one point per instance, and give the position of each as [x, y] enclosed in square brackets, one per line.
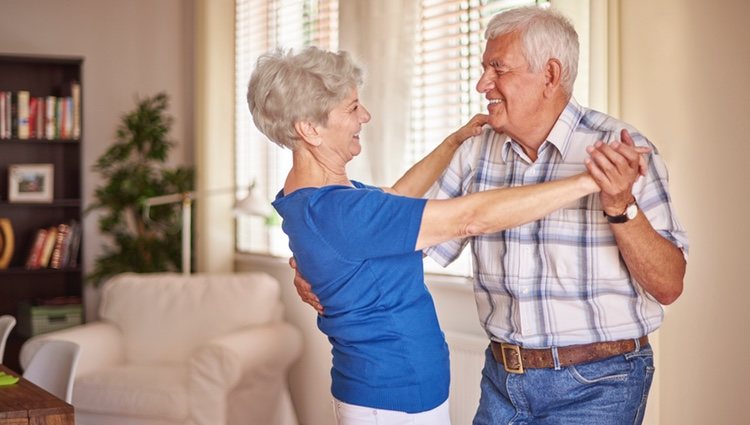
[545, 34]
[287, 87]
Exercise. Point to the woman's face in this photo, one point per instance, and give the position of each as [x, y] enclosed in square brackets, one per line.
[340, 135]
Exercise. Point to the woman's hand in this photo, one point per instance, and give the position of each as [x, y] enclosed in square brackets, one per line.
[470, 129]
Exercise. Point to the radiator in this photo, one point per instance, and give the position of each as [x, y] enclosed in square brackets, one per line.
[467, 361]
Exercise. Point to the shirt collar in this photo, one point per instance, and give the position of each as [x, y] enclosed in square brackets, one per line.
[560, 134]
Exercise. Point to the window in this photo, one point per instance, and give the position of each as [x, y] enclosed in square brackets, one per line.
[261, 26]
[450, 43]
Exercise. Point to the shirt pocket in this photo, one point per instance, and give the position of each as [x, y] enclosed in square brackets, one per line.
[579, 245]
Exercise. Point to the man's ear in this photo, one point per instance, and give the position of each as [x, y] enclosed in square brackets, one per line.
[308, 132]
[552, 76]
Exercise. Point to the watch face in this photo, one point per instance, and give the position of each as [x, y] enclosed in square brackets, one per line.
[631, 211]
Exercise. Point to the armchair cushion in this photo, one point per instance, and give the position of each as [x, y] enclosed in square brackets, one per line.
[128, 390]
[165, 316]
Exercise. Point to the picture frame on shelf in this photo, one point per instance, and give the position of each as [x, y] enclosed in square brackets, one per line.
[31, 182]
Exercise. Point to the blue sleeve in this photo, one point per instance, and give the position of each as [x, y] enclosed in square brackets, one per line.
[362, 223]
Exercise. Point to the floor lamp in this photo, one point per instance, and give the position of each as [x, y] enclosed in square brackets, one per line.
[252, 204]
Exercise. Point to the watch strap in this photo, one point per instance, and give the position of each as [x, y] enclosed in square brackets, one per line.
[626, 215]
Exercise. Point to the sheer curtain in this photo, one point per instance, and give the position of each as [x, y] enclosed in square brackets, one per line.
[380, 36]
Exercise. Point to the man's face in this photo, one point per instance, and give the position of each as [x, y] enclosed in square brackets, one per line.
[515, 94]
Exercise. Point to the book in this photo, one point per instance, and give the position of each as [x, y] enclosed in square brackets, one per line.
[40, 114]
[59, 118]
[75, 90]
[68, 117]
[49, 245]
[2, 115]
[63, 233]
[12, 114]
[33, 114]
[73, 246]
[23, 113]
[32, 260]
[49, 117]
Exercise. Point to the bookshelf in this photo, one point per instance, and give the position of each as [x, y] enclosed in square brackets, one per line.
[42, 78]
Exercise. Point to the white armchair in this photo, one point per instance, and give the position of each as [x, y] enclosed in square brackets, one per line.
[171, 349]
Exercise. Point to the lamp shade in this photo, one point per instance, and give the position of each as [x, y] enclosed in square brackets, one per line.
[252, 204]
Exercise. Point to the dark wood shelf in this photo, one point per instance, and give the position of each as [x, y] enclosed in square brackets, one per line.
[56, 203]
[42, 77]
[14, 141]
[42, 271]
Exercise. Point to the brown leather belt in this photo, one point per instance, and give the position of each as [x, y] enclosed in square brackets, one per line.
[515, 358]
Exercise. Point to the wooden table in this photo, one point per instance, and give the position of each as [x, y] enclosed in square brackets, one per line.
[24, 403]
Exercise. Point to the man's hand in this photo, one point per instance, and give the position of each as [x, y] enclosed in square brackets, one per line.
[615, 167]
[304, 289]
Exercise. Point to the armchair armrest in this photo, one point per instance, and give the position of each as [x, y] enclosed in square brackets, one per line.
[252, 363]
[101, 345]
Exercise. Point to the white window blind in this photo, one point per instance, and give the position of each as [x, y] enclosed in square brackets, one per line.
[262, 25]
[450, 42]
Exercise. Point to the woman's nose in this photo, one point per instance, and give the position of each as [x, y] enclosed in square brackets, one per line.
[364, 115]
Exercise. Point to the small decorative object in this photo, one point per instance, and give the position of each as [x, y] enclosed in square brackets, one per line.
[6, 243]
[30, 182]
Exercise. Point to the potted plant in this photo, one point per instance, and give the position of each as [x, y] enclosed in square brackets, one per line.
[133, 170]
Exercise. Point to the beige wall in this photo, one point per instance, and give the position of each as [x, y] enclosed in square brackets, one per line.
[684, 84]
[130, 48]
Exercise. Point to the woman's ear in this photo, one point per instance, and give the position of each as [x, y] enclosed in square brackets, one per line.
[308, 132]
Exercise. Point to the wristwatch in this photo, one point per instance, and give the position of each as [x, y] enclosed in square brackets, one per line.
[631, 211]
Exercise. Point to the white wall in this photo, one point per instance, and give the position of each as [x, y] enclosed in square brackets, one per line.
[685, 85]
[130, 48]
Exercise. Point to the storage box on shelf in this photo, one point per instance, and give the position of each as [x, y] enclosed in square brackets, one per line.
[39, 317]
[42, 122]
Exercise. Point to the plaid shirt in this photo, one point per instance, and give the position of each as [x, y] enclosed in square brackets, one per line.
[560, 280]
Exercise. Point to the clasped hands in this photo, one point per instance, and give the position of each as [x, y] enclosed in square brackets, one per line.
[615, 167]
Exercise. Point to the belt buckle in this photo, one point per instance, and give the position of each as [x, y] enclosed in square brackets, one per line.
[511, 358]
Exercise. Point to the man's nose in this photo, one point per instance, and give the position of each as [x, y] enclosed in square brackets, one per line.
[484, 84]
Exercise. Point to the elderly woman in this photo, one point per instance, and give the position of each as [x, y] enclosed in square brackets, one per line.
[360, 246]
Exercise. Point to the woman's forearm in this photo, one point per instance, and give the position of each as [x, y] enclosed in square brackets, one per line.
[499, 209]
[424, 173]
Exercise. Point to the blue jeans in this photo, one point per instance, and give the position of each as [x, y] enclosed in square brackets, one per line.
[612, 391]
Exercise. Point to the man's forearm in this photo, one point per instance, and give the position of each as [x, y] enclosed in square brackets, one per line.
[653, 261]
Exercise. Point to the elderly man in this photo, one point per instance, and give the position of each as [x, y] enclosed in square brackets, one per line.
[567, 301]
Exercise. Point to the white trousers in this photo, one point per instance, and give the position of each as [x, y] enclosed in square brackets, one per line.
[350, 414]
